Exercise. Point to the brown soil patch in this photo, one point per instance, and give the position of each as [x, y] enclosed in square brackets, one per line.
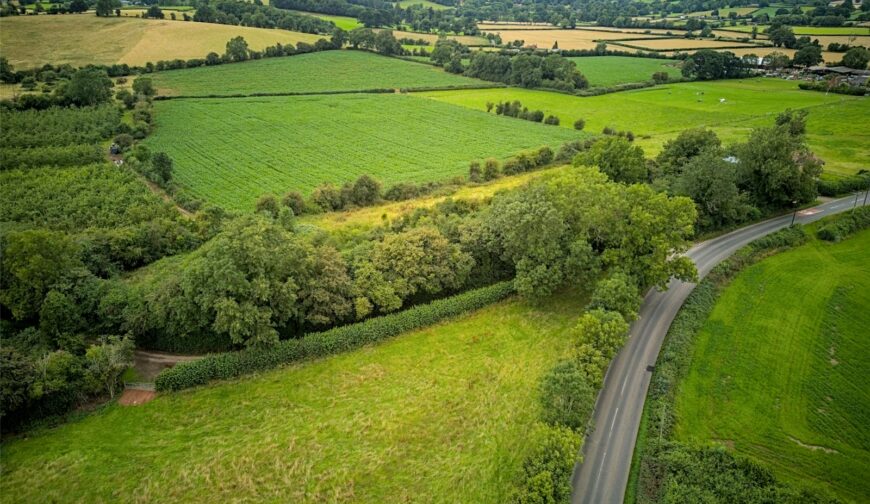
[132, 397]
[813, 447]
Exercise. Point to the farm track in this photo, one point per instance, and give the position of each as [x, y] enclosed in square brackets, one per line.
[603, 475]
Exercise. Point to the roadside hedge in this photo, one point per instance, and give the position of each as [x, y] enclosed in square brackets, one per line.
[337, 340]
[838, 186]
[656, 454]
[845, 224]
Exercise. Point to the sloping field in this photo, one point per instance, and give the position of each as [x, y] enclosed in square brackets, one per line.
[827, 56]
[29, 41]
[567, 39]
[662, 112]
[779, 370]
[682, 43]
[433, 37]
[346, 23]
[243, 148]
[611, 70]
[439, 414]
[306, 73]
[813, 30]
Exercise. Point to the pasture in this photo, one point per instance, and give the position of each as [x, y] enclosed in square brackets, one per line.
[307, 73]
[243, 148]
[346, 23]
[29, 41]
[423, 3]
[779, 368]
[380, 424]
[603, 71]
[658, 114]
[812, 30]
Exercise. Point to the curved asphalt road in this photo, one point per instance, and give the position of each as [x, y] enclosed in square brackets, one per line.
[608, 449]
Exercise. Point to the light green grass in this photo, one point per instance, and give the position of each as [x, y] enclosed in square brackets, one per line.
[442, 414]
[838, 125]
[425, 3]
[783, 359]
[240, 149]
[346, 23]
[603, 71]
[306, 73]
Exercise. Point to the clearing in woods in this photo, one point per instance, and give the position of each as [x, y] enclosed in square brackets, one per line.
[30, 41]
[308, 73]
[658, 114]
[245, 147]
[325, 430]
[780, 368]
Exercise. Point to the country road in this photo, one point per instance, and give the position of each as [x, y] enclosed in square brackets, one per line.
[602, 476]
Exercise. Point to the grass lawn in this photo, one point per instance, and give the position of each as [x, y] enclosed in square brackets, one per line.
[29, 41]
[346, 23]
[779, 370]
[243, 148]
[834, 125]
[321, 71]
[439, 414]
[603, 71]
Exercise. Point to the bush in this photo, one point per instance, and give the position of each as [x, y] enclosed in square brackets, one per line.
[337, 340]
[491, 170]
[618, 293]
[845, 224]
[842, 185]
[546, 476]
[474, 172]
[566, 397]
[579, 124]
[294, 201]
[544, 156]
[552, 120]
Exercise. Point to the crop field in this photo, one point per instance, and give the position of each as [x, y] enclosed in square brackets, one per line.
[852, 40]
[664, 44]
[658, 114]
[325, 430]
[567, 39]
[605, 71]
[243, 148]
[779, 369]
[307, 73]
[29, 41]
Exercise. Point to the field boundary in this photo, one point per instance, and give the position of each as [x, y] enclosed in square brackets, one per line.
[420, 89]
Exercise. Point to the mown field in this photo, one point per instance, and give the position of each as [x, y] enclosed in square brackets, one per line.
[567, 39]
[307, 73]
[29, 41]
[346, 23]
[812, 30]
[779, 369]
[663, 44]
[658, 114]
[243, 148]
[605, 71]
[390, 423]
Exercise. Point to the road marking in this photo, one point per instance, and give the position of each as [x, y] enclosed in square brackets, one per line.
[623, 385]
[601, 466]
[614, 419]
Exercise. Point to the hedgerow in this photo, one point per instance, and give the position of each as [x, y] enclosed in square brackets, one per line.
[845, 224]
[333, 341]
[835, 187]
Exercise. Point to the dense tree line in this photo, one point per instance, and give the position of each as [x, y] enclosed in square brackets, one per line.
[527, 70]
[707, 64]
[234, 12]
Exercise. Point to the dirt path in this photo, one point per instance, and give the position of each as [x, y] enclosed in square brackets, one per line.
[149, 364]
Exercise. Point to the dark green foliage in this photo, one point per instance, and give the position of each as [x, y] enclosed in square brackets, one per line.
[616, 157]
[268, 204]
[295, 202]
[856, 57]
[333, 341]
[527, 70]
[475, 174]
[618, 292]
[688, 144]
[808, 55]
[845, 224]
[88, 87]
[491, 169]
[546, 475]
[579, 124]
[566, 397]
[707, 64]
[842, 185]
[366, 191]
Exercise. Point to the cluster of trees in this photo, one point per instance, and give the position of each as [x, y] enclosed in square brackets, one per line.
[820, 15]
[527, 70]
[707, 64]
[382, 42]
[516, 109]
[233, 12]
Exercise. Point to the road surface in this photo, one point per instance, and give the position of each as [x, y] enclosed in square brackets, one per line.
[602, 476]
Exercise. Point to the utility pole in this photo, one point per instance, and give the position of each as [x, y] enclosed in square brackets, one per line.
[794, 215]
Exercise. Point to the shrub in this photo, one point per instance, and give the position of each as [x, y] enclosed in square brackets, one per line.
[552, 120]
[475, 174]
[511, 167]
[660, 77]
[491, 170]
[546, 475]
[544, 156]
[579, 124]
[294, 201]
[845, 224]
[842, 185]
[618, 293]
[566, 397]
[268, 204]
[333, 341]
[366, 191]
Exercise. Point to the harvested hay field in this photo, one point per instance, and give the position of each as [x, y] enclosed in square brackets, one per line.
[660, 44]
[567, 39]
[29, 41]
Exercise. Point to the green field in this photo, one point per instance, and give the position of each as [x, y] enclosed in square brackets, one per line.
[779, 369]
[346, 23]
[307, 73]
[425, 3]
[811, 30]
[440, 411]
[663, 111]
[603, 71]
[243, 148]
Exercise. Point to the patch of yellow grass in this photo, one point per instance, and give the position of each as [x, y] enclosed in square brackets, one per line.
[681, 43]
[29, 41]
[567, 39]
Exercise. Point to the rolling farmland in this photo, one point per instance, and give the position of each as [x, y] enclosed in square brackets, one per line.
[784, 352]
[660, 113]
[308, 73]
[611, 70]
[243, 148]
[29, 41]
[567, 39]
[376, 425]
